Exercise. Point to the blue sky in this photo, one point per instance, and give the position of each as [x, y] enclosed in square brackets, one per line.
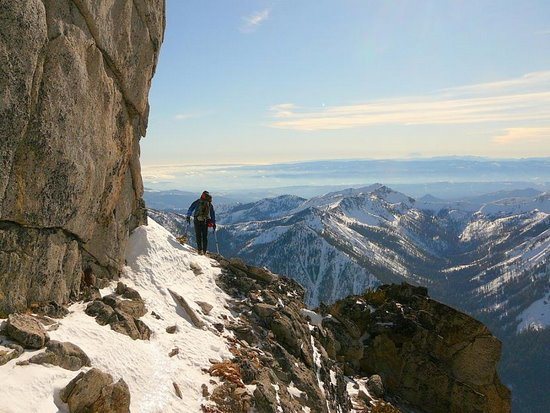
[243, 81]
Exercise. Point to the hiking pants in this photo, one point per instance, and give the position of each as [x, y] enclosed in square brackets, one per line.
[201, 233]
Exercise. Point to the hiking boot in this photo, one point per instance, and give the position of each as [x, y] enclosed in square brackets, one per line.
[201, 253]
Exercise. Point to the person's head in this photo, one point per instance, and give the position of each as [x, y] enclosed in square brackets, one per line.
[206, 196]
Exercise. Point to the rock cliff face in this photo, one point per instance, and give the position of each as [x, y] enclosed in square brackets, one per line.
[74, 82]
[431, 357]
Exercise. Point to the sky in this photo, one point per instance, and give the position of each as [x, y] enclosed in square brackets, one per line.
[267, 81]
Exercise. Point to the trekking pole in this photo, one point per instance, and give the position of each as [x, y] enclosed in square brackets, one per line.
[216, 239]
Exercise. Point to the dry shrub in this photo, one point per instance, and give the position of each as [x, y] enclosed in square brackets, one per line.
[227, 370]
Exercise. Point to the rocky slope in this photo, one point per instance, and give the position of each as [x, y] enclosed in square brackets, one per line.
[228, 337]
[429, 357]
[74, 81]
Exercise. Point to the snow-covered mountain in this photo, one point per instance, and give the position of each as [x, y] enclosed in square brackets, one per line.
[492, 260]
[354, 238]
[345, 241]
[265, 209]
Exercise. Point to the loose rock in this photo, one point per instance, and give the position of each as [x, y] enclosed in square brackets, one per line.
[205, 307]
[66, 355]
[127, 292]
[101, 311]
[27, 331]
[51, 309]
[6, 356]
[95, 392]
[177, 389]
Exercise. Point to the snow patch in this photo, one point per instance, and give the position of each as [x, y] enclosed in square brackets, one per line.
[315, 319]
[536, 316]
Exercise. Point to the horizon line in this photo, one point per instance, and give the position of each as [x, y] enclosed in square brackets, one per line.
[402, 158]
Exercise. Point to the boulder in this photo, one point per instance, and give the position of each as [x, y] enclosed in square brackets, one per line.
[136, 308]
[64, 354]
[125, 324]
[101, 311]
[27, 331]
[96, 392]
[127, 292]
[260, 274]
[375, 386]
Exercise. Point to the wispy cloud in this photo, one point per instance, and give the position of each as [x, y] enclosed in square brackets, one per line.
[190, 115]
[283, 110]
[521, 99]
[252, 22]
[544, 32]
[523, 135]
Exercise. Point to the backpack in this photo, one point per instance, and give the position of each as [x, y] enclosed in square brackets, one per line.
[202, 212]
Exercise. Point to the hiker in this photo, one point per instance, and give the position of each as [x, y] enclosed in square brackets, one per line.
[203, 218]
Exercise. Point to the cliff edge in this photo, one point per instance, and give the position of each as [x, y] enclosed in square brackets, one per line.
[74, 83]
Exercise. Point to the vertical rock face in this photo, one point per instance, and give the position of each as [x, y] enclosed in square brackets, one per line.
[74, 81]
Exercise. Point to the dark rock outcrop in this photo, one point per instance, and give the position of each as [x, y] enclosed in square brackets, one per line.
[96, 392]
[74, 76]
[122, 314]
[389, 349]
[429, 355]
[274, 349]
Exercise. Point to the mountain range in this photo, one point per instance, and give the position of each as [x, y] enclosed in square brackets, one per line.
[486, 255]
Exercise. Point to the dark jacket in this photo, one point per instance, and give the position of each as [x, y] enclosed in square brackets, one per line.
[194, 206]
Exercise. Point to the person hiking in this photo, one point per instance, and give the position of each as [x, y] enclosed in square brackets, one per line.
[204, 217]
